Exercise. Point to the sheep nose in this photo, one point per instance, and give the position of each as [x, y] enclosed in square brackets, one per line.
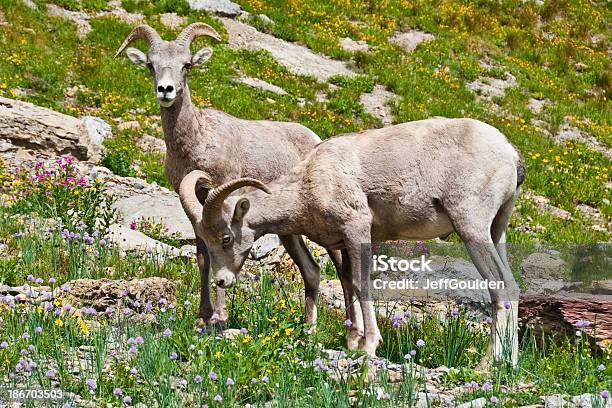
[220, 282]
[166, 89]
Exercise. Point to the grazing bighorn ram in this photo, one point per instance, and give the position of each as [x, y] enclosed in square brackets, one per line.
[417, 180]
[222, 145]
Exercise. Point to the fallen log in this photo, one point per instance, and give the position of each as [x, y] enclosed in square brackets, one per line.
[564, 314]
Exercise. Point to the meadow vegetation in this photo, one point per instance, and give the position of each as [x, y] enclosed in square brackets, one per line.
[558, 51]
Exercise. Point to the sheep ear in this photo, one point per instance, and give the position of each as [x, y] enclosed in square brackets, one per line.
[137, 57]
[201, 56]
[241, 209]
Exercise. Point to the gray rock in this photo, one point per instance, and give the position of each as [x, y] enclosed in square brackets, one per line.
[79, 18]
[588, 400]
[348, 44]
[477, 403]
[555, 401]
[103, 293]
[265, 19]
[536, 105]
[543, 206]
[30, 4]
[296, 58]
[264, 245]
[25, 124]
[222, 7]
[121, 14]
[409, 40]
[543, 266]
[376, 103]
[161, 206]
[152, 144]
[129, 125]
[569, 132]
[130, 240]
[172, 20]
[97, 129]
[601, 287]
[487, 88]
[257, 83]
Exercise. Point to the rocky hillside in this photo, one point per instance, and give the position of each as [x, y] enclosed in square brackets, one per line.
[539, 71]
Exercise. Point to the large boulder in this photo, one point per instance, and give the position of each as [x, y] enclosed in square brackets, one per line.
[103, 293]
[162, 206]
[129, 240]
[296, 58]
[34, 127]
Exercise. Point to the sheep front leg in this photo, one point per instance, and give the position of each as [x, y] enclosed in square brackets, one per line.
[360, 259]
[206, 310]
[353, 308]
[309, 269]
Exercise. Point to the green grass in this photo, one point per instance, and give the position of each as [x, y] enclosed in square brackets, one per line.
[166, 361]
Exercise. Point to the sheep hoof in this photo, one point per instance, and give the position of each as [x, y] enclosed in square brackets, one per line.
[204, 327]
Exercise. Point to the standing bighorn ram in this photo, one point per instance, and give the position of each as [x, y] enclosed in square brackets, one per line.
[223, 146]
[417, 180]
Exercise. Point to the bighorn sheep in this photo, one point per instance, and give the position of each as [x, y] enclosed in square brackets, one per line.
[222, 145]
[417, 180]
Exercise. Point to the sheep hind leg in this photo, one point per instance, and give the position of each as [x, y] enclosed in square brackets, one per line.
[353, 308]
[476, 235]
[310, 271]
[508, 315]
[504, 327]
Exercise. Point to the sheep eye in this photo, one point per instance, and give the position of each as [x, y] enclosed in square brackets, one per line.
[187, 66]
[226, 239]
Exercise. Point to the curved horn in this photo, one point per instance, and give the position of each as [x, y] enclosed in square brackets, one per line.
[215, 198]
[195, 30]
[144, 32]
[188, 196]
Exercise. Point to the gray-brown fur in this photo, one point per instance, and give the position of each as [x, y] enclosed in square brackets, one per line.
[416, 180]
[224, 146]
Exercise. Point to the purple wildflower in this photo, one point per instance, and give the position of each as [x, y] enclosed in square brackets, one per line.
[197, 379]
[173, 356]
[605, 394]
[218, 398]
[167, 333]
[213, 376]
[420, 343]
[348, 323]
[229, 381]
[91, 383]
[494, 400]
[127, 400]
[50, 374]
[265, 379]
[117, 392]
[601, 367]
